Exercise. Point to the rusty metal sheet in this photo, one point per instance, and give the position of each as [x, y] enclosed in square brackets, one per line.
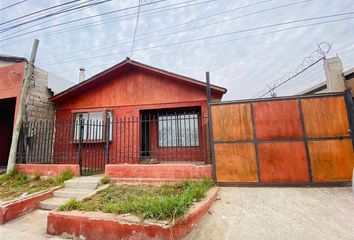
[236, 162]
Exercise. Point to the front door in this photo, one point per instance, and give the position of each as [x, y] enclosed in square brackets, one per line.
[7, 112]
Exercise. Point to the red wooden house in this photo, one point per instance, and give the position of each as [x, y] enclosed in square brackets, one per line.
[132, 113]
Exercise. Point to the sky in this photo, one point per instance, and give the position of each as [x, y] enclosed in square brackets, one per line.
[243, 44]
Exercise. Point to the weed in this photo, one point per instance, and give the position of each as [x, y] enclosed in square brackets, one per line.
[37, 175]
[105, 180]
[166, 202]
[70, 205]
[16, 183]
[64, 176]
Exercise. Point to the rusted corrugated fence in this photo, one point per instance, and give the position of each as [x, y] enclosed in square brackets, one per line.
[293, 140]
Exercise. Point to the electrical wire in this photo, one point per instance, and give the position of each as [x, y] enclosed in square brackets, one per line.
[52, 14]
[36, 12]
[82, 26]
[206, 25]
[216, 36]
[83, 18]
[135, 29]
[12, 5]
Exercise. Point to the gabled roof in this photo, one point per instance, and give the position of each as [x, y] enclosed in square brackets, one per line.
[124, 66]
[9, 58]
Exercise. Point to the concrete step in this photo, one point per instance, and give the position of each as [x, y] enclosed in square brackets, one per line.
[72, 193]
[52, 203]
[83, 183]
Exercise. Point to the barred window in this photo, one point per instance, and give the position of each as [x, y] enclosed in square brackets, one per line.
[180, 130]
[93, 125]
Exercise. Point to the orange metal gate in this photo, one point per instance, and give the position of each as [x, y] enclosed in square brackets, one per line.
[299, 140]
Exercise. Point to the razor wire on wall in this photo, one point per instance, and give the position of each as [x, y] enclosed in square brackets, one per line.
[311, 61]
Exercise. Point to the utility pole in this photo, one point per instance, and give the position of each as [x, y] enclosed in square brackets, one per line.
[22, 107]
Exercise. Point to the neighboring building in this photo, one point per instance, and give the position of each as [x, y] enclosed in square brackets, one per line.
[337, 80]
[154, 114]
[349, 78]
[38, 107]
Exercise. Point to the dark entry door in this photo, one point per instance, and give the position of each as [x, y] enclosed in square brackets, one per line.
[145, 136]
[7, 112]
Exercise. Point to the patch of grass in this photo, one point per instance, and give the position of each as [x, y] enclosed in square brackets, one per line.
[166, 202]
[105, 180]
[16, 183]
[64, 176]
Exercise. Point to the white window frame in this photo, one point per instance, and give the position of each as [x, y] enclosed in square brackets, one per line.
[178, 130]
[94, 126]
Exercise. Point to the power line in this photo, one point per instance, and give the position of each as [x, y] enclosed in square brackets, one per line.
[83, 18]
[49, 20]
[95, 24]
[115, 42]
[220, 35]
[12, 5]
[171, 26]
[135, 29]
[36, 12]
[86, 25]
[207, 25]
[52, 14]
[252, 36]
[227, 20]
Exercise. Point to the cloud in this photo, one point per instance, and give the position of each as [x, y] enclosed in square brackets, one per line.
[244, 66]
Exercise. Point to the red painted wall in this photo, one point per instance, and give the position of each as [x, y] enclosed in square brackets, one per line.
[11, 78]
[48, 170]
[127, 95]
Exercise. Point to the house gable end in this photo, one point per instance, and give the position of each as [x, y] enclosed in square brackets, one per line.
[134, 87]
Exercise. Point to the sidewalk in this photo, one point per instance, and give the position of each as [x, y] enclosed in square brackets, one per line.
[279, 213]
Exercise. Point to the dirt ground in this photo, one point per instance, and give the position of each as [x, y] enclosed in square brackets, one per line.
[279, 213]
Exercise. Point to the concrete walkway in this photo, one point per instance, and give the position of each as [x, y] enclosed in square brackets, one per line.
[279, 213]
[32, 226]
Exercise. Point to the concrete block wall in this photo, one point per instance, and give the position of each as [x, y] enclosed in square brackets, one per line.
[38, 106]
[40, 113]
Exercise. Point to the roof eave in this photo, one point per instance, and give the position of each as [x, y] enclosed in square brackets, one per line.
[139, 65]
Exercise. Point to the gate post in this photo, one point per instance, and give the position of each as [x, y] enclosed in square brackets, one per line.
[81, 135]
[350, 110]
[210, 127]
[108, 125]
